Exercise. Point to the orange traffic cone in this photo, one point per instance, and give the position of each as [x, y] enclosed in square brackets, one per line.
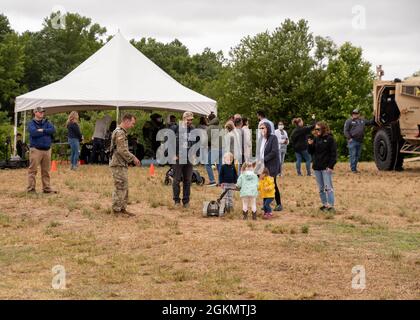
[54, 166]
[152, 170]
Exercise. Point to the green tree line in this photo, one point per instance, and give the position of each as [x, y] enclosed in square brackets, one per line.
[288, 72]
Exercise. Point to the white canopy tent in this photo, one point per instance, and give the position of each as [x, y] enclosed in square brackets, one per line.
[117, 76]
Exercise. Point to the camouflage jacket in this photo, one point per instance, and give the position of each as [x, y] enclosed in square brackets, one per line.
[121, 157]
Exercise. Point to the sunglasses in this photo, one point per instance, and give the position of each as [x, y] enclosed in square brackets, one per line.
[317, 129]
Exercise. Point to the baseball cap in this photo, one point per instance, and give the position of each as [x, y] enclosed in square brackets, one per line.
[39, 109]
[355, 111]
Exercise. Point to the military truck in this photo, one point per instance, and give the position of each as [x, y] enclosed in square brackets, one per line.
[397, 114]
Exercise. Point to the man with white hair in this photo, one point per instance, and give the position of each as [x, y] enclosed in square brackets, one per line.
[183, 167]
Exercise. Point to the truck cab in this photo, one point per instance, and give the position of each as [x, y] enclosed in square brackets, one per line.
[397, 114]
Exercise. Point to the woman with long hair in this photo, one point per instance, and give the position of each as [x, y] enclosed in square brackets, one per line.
[324, 154]
[299, 139]
[74, 138]
[268, 154]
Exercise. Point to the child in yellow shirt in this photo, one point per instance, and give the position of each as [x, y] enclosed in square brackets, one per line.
[266, 190]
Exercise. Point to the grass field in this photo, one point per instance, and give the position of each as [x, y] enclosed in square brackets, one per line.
[166, 253]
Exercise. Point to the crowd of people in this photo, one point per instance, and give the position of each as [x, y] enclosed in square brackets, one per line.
[96, 151]
[236, 169]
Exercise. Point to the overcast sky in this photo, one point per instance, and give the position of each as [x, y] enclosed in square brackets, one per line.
[388, 31]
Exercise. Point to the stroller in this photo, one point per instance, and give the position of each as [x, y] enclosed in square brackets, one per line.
[196, 177]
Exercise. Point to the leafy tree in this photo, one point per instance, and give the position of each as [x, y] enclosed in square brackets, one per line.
[348, 84]
[11, 65]
[195, 72]
[6, 130]
[53, 52]
[4, 26]
[272, 72]
[290, 73]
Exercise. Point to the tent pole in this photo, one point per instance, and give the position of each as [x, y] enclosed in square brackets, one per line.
[24, 127]
[15, 133]
[118, 114]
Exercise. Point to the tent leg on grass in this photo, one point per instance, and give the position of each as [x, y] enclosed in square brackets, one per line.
[24, 127]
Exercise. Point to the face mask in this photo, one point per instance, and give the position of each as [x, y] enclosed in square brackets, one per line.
[281, 127]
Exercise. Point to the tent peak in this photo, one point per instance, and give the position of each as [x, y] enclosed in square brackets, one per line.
[116, 75]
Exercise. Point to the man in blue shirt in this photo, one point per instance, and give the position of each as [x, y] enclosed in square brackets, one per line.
[40, 137]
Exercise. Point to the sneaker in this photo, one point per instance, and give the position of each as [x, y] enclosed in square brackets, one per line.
[278, 208]
[323, 208]
[355, 171]
[186, 205]
[177, 204]
[130, 214]
[254, 216]
[299, 174]
[31, 191]
[211, 184]
[266, 216]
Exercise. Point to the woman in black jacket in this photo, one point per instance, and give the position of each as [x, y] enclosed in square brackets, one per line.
[299, 140]
[74, 137]
[269, 154]
[324, 155]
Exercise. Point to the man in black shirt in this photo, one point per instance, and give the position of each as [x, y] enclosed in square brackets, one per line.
[183, 167]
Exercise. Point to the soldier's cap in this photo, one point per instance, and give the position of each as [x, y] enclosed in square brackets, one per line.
[355, 111]
[39, 109]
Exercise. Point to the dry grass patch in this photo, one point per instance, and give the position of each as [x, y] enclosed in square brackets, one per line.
[163, 252]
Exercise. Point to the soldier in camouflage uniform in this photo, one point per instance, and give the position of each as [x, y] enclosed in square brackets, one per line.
[119, 161]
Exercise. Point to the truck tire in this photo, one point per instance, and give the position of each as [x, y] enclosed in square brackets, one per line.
[385, 150]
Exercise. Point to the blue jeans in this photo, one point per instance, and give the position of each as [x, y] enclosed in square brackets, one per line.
[303, 155]
[282, 156]
[74, 156]
[267, 202]
[325, 185]
[211, 160]
[355, 149]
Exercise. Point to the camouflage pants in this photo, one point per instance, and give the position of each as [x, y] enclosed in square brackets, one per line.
[120, 193]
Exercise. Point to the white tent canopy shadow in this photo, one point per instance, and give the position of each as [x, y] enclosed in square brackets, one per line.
[117, 76]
